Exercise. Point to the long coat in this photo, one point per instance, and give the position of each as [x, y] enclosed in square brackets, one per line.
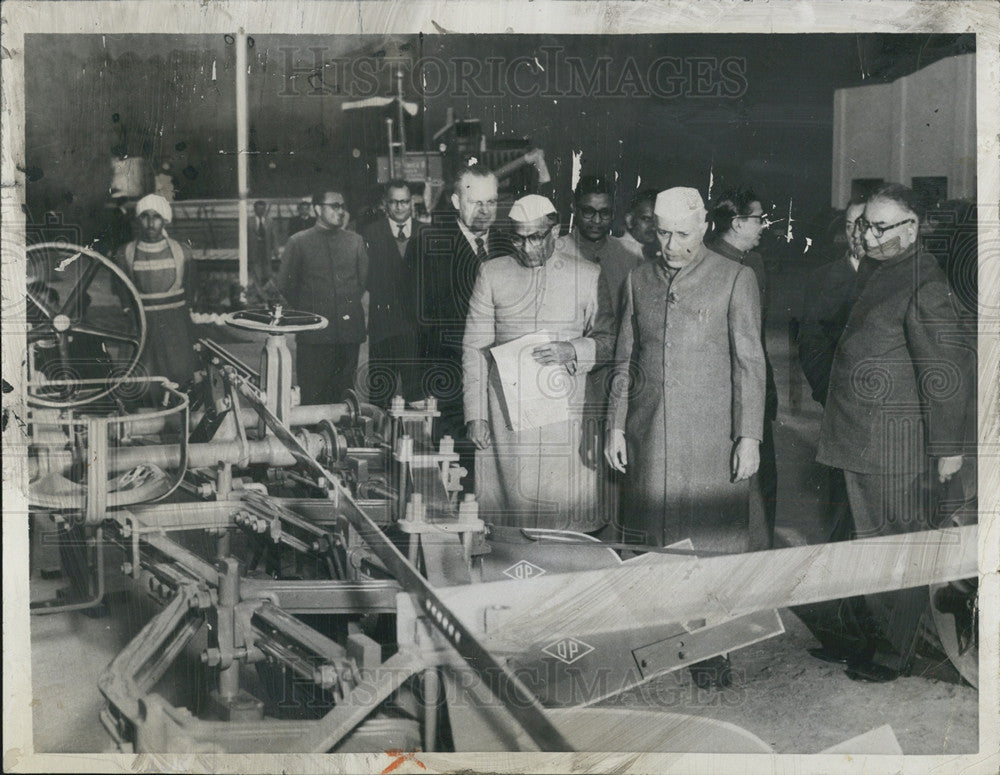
[689, 382]
[325, 271]
[902, 385]
[535, 477]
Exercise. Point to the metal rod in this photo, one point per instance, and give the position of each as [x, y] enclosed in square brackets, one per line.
[242, 153]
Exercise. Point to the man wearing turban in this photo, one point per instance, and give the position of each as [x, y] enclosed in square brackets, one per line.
[534, 474]
[158, 266]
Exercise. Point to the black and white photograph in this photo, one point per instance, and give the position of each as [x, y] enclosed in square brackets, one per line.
[549, 386]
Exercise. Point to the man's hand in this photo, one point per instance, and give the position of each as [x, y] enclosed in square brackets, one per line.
[948, 467]
[554, 352]
[746, 458]
[478, 432]
[615, 451]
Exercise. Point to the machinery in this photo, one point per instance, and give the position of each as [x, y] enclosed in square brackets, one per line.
[322, 581]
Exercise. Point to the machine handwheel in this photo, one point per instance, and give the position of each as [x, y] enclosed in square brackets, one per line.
[85, 325]
[275, 320]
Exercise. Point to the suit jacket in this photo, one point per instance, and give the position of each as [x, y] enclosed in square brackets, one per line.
[903, 376]
[261, 249]
[445, 267]
[326, 272]
[823, 319]
[391, 304]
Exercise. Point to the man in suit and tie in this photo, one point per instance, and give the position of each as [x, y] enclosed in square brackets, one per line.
[445, 264]
[392, 320]
[262, 244]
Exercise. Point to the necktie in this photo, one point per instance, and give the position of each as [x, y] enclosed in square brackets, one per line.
[260, 228]
[480, 249]
[402, 234]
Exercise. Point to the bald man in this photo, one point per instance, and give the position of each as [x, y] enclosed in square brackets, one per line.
[534, 474]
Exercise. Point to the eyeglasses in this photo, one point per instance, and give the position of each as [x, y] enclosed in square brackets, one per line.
[590, 214]
[877, 229]
[536, 239]
[333, 205]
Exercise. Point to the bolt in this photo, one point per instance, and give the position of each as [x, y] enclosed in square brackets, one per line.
[127, 568]
[643, 663]
[682, 655]
[211, 657]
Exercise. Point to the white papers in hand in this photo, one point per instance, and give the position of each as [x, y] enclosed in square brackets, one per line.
[535, 394]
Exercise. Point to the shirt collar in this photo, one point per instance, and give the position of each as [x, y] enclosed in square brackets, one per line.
[471, 238]
[407, 227]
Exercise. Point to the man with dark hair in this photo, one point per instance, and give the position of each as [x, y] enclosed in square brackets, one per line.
[738, 221]
[901, 387]
[591, 240]
[829, 299]
[444, 267]
[325, 270]
[640, 225]
[392, 320]
[262, 244]
[302, 219]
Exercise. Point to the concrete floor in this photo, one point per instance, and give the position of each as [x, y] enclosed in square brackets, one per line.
[793, 702]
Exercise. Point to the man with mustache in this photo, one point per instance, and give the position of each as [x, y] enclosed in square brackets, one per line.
[901, 385]
[529, 474]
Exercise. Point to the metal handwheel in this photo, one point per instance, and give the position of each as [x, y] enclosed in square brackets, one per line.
[85, 325]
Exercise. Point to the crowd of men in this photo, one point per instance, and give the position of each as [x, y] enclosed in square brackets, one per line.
[638, 403]
[652, 346]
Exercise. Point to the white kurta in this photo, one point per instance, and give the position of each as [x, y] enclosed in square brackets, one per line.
[535, 477]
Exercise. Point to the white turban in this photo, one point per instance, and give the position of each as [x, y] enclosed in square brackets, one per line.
[157, 204]
[678, 202]
[530, 208]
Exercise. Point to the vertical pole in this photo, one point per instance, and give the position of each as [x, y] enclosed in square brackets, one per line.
[402, 125]
[242, 155]
[392, 163]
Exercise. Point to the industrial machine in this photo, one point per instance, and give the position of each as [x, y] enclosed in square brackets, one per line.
[322, 581]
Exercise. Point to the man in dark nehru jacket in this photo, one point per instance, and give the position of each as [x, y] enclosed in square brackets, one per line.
[901, 385]
[324, 270]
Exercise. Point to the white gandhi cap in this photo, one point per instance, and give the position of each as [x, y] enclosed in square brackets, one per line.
[530, 208]
[678, 201]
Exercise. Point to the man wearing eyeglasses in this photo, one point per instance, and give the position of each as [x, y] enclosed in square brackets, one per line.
[534, 476]
[738, 221]
[392, 320]
[901, 387]
[324, 270]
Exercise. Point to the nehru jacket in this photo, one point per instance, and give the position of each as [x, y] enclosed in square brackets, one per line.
[325, 271]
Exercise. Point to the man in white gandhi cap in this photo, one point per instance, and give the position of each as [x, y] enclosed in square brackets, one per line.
[158, 267]
[533, 473]
[685, 425]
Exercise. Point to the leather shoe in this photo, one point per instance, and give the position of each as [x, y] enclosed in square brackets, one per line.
[871, 672]
[834, 655]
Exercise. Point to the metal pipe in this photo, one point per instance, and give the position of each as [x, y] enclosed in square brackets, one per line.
[267, 451]
[242, 153]
[432, 697]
